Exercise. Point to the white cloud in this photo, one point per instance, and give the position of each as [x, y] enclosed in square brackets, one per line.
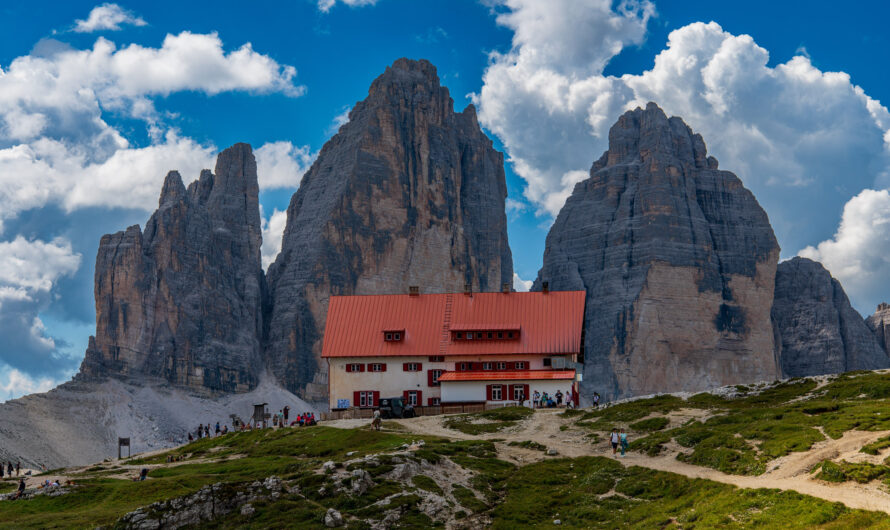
[339, 121]
[56, 147]
[273, 231]
[326, 5]
[859, 253]
[14, 383]
[282, 164]
[521, 285]
[107, 17]
[803, 140]
[28, 273]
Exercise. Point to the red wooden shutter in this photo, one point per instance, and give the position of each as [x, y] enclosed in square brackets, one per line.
[361, 367]
[376, 398]
[382, 368]
[429, 401]
[487, 392]
[355, 399]
[419, 367]
[525, 392]
[348, 367]
[404, 367]
[429, 378]
[419, 397]
[405, 395]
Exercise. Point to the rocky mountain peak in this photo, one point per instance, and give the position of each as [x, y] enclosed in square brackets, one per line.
[678, 260]
[879, 323]
[173, 190]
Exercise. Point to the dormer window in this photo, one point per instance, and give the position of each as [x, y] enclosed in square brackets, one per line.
[494, 334]
[393, 335]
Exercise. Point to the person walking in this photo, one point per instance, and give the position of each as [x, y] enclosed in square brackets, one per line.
[622, 439]
[376, 422]
[207, 430]
[217, 428]
[559, 398]
[614, 439]
[9, 468]
[536, 399]
[286, 414]
[596, 400]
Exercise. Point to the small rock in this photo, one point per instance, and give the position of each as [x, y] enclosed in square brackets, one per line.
[333, 519]
[247, 510]
[552, 452]
[350, 453]
[557, 522]
[328, 467]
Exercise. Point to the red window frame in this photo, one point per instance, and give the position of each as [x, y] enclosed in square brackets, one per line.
[437, 358]
[412, 367]
[366, 398]
[487, 366]
[376, 367]
[523, 389]
[355, 367]
[520, 365]
[434, 401]
[502, 365]
[418, 397]
[432, 376]
[492, 389]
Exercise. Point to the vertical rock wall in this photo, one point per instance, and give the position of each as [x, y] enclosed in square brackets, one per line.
[408, 192]
[678, 260]
[183, 301]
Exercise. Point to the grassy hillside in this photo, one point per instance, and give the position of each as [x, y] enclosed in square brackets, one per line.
[413, 481]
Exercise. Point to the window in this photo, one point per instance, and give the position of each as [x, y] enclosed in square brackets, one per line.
[366, 398]
[355, 367]
[502, 366]
[437, 358]
[490, 335]
[392, 336]
[389, 336]
[411, 367]
[377, 367]
[411, 396]
[518, 392]
[496, 393]
[433, 377]
[547, 361]
[469, 336]
[500, 334]
[435, 401]
[486, 366]
[458, 335]
[510, 335]
[464, 367]
[521, 365]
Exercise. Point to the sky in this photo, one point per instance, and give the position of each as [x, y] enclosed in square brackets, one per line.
[98, 101]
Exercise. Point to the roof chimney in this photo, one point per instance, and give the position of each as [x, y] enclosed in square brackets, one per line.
[506, 288]
[414, 290]
[545, 287]
[468, 289]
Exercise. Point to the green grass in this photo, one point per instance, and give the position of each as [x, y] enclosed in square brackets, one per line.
[528, 444]
[844, 471]
[747, 432]
[495, 420]
[650, 425]
[467, 499]
[876, 446]
[426, 483]
[572, 490]
[6, 487]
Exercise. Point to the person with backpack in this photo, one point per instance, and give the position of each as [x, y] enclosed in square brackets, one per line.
[622, 439]
[536, 397]
[614, 439]
[558, 398]
[596, 400]
[217, 428]
[21, 489]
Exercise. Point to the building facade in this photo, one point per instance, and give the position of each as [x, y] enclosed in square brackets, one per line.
[436, 349]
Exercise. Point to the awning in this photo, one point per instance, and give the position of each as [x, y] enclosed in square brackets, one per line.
[505, 375]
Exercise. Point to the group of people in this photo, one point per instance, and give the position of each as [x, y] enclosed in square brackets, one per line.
[618, 438]
[545, 400]
[9, 469]
[203, 431]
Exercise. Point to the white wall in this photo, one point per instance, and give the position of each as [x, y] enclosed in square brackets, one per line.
[463, 391]
[391, 383]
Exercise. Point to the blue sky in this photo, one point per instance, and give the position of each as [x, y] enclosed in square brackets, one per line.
[96, 105]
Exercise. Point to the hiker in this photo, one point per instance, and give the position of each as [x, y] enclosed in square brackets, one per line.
[143, 474]
[622, 439]
[9, 469]
[200, 431]
[191, 439]
[614, 438]
[376, 422]
[225, 429]
[536, 397]
[559, 398]
[596, 400]
[217, 428]
[207, 431]
[21, 488]
[286, 413]
[18, 468]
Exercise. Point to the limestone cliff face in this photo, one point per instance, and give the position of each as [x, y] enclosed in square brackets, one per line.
[408, 192]
[678, 260]
[879, 324]
[183, 300]
[820, 331]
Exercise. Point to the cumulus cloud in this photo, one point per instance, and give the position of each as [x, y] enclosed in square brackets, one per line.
[859, 253]
[107, 17]
[56, 147]
[14, 383]
[326, 5]
[803, 140]
[521, 285]
[273, 231]
[282, 164]
[28, 272]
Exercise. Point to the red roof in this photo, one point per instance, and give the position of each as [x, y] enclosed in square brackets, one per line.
[525, 375]
[549, 324]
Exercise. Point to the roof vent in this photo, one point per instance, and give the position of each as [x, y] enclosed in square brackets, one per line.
[468, 289]
[545, 287]
[414, 290]
[505, 288]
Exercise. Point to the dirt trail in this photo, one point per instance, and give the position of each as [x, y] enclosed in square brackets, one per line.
[791, 472]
